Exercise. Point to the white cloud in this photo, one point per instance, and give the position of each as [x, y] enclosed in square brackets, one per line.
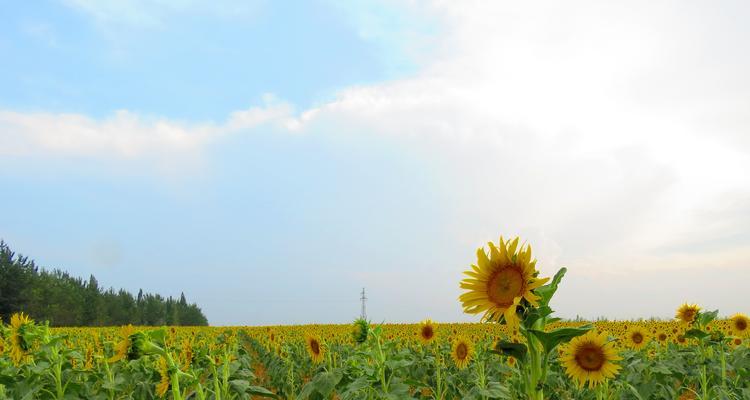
[606, 131]
[124, 135]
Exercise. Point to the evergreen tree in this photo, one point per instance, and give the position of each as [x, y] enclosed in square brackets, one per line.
[64, 300]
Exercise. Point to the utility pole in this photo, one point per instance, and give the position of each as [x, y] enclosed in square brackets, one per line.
[363, 299]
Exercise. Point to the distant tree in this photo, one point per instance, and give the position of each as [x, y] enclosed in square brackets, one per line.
[64, 300]
[92, 299]
[15, 278]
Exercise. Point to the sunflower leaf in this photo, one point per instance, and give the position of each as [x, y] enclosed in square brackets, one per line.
[705, 318]
[551, 339]
[516, 350]
[535, 314]
[547, 291]
[697, 334]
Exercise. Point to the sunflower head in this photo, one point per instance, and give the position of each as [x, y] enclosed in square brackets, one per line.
[186, 354]
[636, 337]
[164, 382]
[735, 342]
[462, 351]
[427, 331]
[740, 324]
[20, 325]
[123, 346]
[687, 313]
[314, 348]
[590, 358]
[499, 282]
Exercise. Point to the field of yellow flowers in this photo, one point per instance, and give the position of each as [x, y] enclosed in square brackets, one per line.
[518, 351]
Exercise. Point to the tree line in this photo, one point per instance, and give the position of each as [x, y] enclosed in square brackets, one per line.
[65, 300]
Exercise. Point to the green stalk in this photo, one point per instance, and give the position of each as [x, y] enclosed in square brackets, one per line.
[110, 379]
[176, 394]
[723, 366]
[381, 365]
[225, 375]
[481, 377]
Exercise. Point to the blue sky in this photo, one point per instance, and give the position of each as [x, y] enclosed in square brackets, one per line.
[270, 159]
[183, 63]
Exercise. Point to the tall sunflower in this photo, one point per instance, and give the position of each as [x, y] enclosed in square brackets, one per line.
[740, 324]
[687, 313]
[590, 358]
[498, 282]
[314, 348]
[462, 351]
[636, 337]
[427, 332]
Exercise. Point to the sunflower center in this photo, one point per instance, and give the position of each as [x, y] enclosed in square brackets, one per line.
[590, 357]
[505, 285]
[427, 332]
[637, 338]
[461, 351]
[688, 315]
[740, 324]
[662, 337]
[314, 346]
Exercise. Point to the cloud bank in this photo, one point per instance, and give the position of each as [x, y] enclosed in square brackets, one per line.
[615, 137]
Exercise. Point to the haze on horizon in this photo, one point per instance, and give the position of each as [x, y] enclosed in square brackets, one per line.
[270, 159]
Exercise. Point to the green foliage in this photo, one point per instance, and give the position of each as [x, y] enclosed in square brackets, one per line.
[64, 300]
[360, 330]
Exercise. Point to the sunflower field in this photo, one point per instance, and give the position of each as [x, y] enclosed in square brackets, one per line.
[519, 350]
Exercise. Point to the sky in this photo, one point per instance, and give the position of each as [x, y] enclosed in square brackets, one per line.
[272, 158]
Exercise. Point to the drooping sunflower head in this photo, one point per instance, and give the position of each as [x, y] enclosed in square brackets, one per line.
[164, 382]
[462, 351]
[498, 282]
[590, 358]
[360, 330]
[740, 324]
[427, 331]
[687, 313]
[636, 337]
[186, 353]
[122, 347]
[314, 348]
[20, 323]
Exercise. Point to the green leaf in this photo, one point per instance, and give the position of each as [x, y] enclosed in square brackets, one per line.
[551, 339]
[705, 318]
[325, 382]
[535, 314]
[634, 391]
[696, 334]
[547, 291]
[261, 391]
[495, 390]
[517, 350]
